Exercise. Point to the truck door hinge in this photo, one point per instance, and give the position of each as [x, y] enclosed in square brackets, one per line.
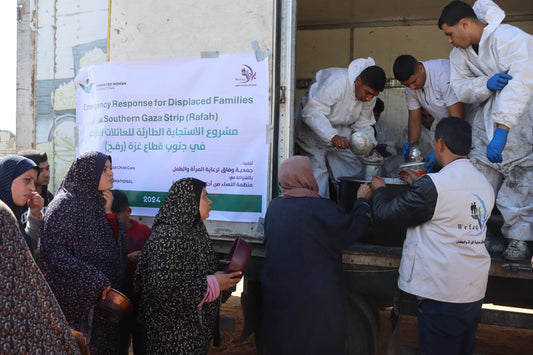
[282, 94]
[19, 12]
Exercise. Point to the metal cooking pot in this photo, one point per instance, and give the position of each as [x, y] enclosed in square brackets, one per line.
[371, 168]
[381, 233]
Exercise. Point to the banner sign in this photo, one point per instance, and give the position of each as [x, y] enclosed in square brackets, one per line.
[183, 117]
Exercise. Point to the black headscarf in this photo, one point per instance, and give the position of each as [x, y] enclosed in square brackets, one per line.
[11, 167]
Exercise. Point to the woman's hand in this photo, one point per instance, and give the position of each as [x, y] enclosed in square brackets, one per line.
[108, 197]
[36, 203]
[227, 281]
[133, 257]
[364, 191]
[105, 292]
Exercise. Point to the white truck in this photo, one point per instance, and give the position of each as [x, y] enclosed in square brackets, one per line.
[56, 38]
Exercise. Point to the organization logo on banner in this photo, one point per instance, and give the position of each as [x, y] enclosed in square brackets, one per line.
[84, 82]
[248, 76]
[86, 86]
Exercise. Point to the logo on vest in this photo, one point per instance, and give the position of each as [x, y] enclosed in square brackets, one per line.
[478, 215]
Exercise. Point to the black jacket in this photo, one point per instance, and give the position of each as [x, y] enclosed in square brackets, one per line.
[414, 207]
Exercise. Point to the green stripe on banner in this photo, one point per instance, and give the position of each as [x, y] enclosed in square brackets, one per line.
[221, 202]
[236, 203]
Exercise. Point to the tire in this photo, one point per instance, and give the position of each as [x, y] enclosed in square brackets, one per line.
[363, 326]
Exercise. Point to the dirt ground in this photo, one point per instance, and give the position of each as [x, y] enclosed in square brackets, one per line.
[491, 340]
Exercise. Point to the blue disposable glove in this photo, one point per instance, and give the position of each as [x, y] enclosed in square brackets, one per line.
[430, 161]
[405, 148]
[498, 81]
[496, 145]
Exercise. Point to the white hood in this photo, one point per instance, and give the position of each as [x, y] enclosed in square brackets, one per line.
[357, 66]
[488, 12]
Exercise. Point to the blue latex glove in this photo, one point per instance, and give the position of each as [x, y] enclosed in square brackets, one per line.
[430, 161]
[498, 81]
[405, 148]
[496, 145]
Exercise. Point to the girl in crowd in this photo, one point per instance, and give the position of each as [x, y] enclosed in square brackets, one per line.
[17, 188]
[83, 250]
[176, 283]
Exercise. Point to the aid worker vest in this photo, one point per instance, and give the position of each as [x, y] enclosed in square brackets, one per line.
[445, 259]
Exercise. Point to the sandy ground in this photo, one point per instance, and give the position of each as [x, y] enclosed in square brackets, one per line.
[491, 340]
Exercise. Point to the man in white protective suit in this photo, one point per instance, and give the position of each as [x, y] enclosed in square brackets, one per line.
[338, 103]
[492, 63]
[427, 87]
[386, 142]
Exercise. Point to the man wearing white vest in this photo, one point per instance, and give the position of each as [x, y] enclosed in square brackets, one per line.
[444, 260]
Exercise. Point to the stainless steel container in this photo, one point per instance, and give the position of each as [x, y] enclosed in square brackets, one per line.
[371, 168]
[414, 154]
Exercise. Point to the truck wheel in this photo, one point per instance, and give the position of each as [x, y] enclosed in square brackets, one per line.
[363, 326]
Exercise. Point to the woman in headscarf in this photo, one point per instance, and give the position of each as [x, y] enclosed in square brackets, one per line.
[17, 188]
[177, 284]
[83, 250]
[304, 297]
[32, 322]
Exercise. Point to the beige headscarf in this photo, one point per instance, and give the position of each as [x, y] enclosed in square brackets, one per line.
[296, 178]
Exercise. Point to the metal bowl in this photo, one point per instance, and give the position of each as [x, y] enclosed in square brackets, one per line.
[239, 256]
[360, 143]
[114, 307]
[417, 167]
[414, 154]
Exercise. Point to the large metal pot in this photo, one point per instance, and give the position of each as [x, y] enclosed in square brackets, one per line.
[381, 233]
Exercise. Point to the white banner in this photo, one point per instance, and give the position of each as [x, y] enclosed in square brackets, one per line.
[184, 117]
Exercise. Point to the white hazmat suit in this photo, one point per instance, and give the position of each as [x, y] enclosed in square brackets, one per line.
[330, 108]
[502, 47]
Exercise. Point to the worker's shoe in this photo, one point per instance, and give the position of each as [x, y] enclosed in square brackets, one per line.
[516, 250]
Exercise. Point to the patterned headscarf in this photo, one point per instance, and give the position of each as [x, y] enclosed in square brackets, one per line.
[171, 275]
[36, 323]
[83, 176]
[182, 205]
[296, 178]
[79, 255]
